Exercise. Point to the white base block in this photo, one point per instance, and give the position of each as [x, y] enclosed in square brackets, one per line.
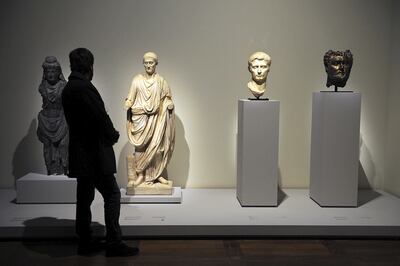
[38, 188]
[335, 148]
[257, 153]
[175, 197]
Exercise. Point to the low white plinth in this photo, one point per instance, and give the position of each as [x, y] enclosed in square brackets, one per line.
[257, 153]
[335, 148]
[175, 197]
[211, 212]
[38, 188]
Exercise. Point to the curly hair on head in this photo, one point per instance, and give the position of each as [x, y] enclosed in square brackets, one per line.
[347, 55]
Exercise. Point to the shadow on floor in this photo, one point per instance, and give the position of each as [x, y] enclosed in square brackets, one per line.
[29, 147]
[282, 196]
[366, 195]
[59, 232]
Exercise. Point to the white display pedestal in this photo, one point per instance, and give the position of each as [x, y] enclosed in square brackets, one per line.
[175, 197]
[335, 148]
[38, 188]
[257, 153]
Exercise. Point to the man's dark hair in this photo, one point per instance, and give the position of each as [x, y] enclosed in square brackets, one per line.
[81, 60]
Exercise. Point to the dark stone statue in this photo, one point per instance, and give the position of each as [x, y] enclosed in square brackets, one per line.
[338, 66]
[52, 129]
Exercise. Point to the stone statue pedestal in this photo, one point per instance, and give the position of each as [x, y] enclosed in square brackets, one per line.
[257, 153]
[175, 197]
[153, 189]
[335, 137]
[38, 188]
[156, 188]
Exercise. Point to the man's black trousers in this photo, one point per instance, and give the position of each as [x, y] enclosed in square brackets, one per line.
[108, 188]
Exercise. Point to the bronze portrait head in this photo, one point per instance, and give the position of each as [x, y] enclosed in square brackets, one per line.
[338, 66]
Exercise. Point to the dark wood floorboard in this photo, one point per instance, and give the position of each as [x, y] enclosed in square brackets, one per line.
[225, 252]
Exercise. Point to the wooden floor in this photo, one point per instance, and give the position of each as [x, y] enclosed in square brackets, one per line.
[211, 252]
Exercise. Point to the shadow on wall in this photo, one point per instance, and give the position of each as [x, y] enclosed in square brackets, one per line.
[178, 167]
[28, 156]
[282, 196]
[122, 174]
[366, 168]
[366, 192]
[363, 182]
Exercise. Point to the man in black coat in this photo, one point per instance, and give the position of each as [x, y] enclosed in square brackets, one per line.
[91, 155]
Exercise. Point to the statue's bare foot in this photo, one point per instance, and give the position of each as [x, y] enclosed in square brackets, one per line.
[135, 183]
[147, 184]
[162, 180]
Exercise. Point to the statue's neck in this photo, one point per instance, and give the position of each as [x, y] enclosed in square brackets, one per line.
[258, 87]
[149, 77]
[48, 85]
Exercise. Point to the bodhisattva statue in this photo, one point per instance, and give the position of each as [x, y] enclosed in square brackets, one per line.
[338, 66]
[52, 128]
[151, 129]
[259, 65]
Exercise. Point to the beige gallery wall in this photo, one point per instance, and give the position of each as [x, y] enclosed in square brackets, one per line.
[203, 48]
[392, 155]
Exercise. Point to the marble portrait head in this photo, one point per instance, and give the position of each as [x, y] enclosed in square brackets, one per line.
[150, 61]
[338, 66]
[259, 64]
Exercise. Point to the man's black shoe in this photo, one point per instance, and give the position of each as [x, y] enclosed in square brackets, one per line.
[89, 247]
[121, 250]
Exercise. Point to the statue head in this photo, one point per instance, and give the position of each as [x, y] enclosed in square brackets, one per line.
[52, 72]
[338, 66]
[259, 64]
[82, 60]
[150, 61]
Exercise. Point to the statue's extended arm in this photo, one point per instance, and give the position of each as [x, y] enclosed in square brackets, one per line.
[168, 96]
[170, 105]
[131, 96]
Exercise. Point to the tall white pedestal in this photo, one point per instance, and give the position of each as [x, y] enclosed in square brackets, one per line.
[335, 148]
[38, 188]
[257, 153]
